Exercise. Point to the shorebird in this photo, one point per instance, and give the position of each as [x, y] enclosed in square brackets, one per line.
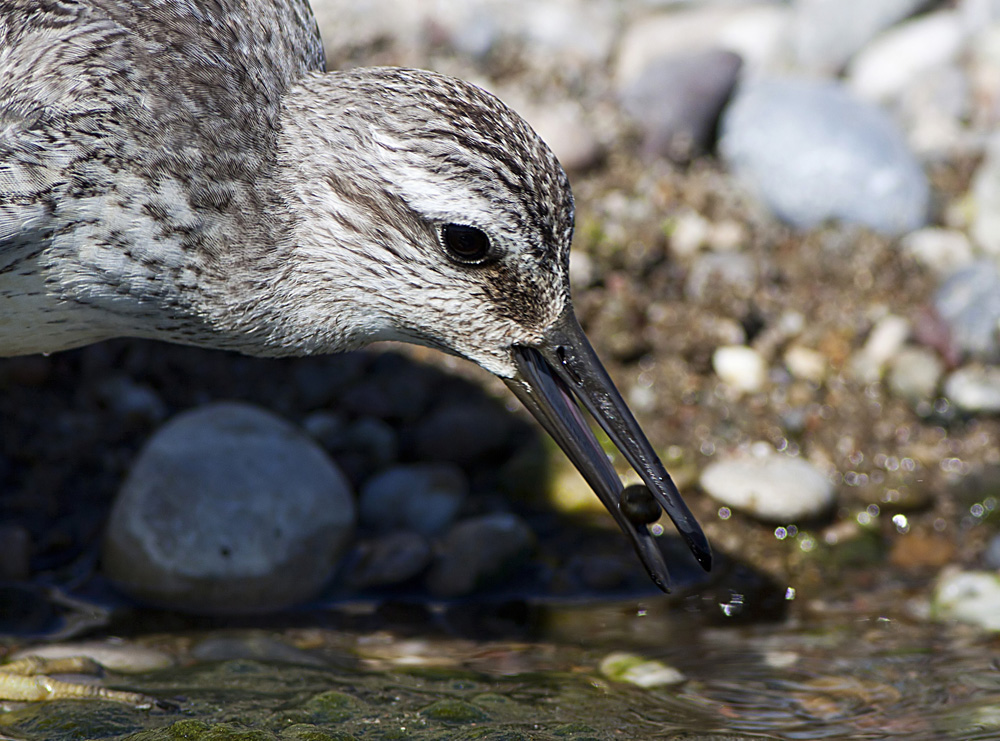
[188, 171]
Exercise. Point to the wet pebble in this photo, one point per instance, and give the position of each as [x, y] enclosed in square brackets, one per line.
[812, 152]
[769, 486]
[974, 388]
[639, 505]
[480, 552]
[228, 509]
[676, 101]
[622, 666]
[423, 497]
[968, 596]
[969, 303]
[388, 560]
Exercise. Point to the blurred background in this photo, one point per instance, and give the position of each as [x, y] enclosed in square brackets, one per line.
[787, 254]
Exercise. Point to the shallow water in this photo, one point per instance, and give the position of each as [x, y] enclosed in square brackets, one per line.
[831, 670]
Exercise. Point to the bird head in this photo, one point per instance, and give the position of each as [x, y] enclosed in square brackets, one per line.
[442, 219]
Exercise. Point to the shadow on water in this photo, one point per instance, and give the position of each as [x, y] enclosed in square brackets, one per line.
[727, 657]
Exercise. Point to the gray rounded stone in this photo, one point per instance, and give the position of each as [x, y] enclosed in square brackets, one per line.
[969, 302]
[228, 509]
[480, 552]
[391, 559]
[424, 497]
[812, 152]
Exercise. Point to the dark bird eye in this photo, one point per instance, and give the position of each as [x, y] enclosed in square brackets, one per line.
[466, 244]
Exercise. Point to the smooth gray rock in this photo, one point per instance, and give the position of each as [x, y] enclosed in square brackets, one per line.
[388, 560]
[480, 552]
[462, 433]
[228, 509]
[969, 303]
[812, 152]
[676, 101]
[424, 497]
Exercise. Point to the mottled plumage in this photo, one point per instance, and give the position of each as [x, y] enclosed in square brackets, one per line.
[186, 170]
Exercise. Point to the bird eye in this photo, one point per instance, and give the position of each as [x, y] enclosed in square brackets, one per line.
[466, 244]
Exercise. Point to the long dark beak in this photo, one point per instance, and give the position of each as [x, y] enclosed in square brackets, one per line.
[563, 366]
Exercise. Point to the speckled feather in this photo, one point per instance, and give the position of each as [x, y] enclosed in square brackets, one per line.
[186, 170]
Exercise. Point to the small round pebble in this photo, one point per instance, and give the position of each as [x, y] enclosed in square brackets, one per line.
[771, 487]
[639, 505]
[741, 367]
[424, 497]
[228, 509]
[975, 388]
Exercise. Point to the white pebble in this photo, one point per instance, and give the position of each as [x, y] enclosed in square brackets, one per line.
[968, 596]
[886, 339]
[771, 487]
[622, 666]
[915, 373]
[975, 388]
[941, 250]
[689, 234]
[901, 55]
[741, 367]
[806, 364]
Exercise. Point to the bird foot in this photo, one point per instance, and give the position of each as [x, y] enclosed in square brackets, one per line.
[28, 680]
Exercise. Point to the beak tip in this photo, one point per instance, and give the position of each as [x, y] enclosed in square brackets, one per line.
[700, 548]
